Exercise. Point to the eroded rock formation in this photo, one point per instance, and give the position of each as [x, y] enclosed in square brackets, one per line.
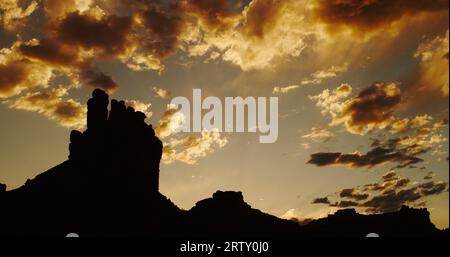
[121, 141]
[109, 187]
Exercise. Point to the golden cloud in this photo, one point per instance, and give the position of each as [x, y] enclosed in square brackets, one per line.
[372, 108]
[319, 135]
[179, 147]
[318, 76]
[189, 149]
[369, 15]
[162, 93]
[261, 33]
[331, 101]
[284, 90]
[217, 15]
[140, 107]
[433, 56]
[170, 122]
[13, 15]
[67, 112]
[49, 51]
[18, 74]
[403, 125]
[262, 16]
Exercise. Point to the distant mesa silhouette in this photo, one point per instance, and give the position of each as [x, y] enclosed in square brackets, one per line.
[109, 186]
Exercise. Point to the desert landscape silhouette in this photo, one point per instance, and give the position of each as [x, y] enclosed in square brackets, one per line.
[109, 186]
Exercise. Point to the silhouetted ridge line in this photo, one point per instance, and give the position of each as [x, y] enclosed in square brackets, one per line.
[109, 187]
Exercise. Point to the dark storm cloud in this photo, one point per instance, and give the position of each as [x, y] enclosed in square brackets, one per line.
[432, 188]
[372, 158]
[10, 76]
[392, 201]
[345, 204]
[323, 200]
[390, 181]
[108, 37]
[389, 194]
[373, 109]
[353, 194]
[324, 159]
[367, 15]
[151, 26]
[67, 110]
[109, 34]
[74, 41]
[18, 74]
[50, 51]
[97, 79]
[262, 16]
[372, 106]
[162, 26]
[214, 14]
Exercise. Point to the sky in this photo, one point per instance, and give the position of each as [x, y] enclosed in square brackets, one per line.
[362, 89]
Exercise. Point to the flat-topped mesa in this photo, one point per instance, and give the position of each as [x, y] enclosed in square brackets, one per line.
[121, 144]
[423, 213]
[222, 201]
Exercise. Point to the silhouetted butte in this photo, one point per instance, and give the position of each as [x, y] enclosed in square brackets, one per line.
[109, 186]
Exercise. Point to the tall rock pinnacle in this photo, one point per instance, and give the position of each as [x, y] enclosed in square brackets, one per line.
[120, 144]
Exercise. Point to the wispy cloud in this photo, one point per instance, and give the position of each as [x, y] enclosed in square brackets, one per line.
[318, 135]
[54, 105]
[189, 149]
[320, 75]
[284, 90]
